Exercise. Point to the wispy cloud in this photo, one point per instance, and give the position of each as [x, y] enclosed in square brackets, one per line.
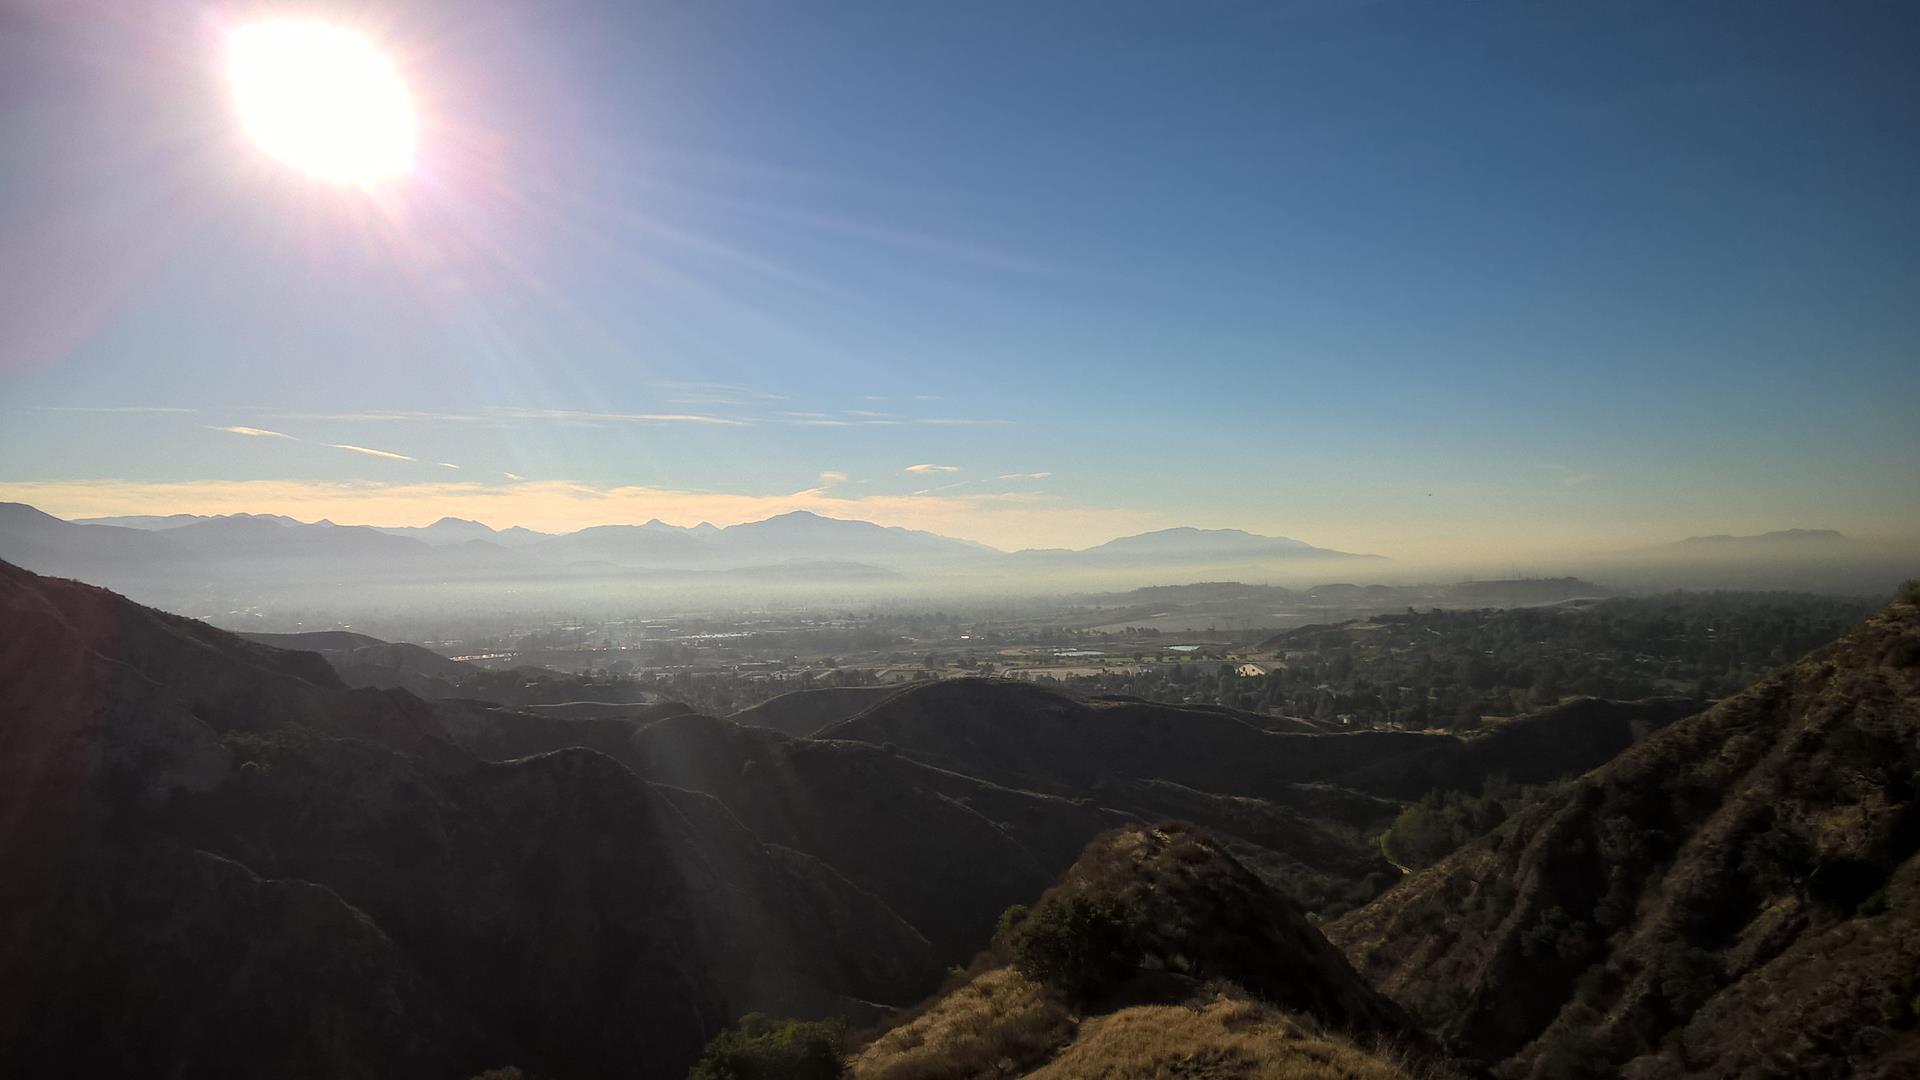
[584, 416]
[371, 452]
[513, 476]
[932, 468]
[254, 432]
[113, 409]
[1024, 476]
[1567, 476]
[833, 476]
[514, 415]
[448, 465]
[375, 416]
[704, 393]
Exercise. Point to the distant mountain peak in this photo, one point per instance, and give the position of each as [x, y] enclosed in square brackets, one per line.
[1776, 536]
[1188, 542]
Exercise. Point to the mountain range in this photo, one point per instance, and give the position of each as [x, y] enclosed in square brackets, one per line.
[166, 558]
[798, 534]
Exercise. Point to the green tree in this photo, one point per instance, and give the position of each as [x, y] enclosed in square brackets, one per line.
[762, 1048]
[1076, 945]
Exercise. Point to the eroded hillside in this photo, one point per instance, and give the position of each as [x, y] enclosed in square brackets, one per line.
[1189, 966]
[1737, 896]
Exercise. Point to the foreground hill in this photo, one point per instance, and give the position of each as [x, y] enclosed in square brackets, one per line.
[1198, 970]
[217, 860]
[1738, 895]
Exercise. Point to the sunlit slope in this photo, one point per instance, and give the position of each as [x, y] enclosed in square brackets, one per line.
[1211, 974]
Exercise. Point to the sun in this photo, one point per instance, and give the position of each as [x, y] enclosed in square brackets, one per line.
[323, 100]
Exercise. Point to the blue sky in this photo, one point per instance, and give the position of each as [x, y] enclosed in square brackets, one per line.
[1460, 280]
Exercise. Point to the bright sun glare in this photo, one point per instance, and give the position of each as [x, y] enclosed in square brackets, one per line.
[323, 100]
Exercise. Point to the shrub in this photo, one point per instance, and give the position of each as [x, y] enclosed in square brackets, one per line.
[765, 1049]
[1010, 921]
[1075, 945]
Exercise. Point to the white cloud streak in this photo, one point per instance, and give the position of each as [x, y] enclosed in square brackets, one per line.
[114, 409]
[371, 452]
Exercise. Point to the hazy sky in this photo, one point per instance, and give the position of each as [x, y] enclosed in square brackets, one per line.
[1415, 278]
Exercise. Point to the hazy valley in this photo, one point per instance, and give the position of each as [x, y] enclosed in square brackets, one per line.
[840, 851]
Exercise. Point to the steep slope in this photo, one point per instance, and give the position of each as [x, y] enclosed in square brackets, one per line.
[1196, 927]
[1021, 734]
[1223, 1036]
[1297, 806]
[805, 712]
[947, 852]
[1739, 895]
[1562, 740]
[364, 661]
[216, 860]
[1018, 733]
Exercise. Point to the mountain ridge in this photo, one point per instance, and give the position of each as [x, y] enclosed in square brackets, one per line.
[1739, 894]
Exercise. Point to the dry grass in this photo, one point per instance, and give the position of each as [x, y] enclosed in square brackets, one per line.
[994, 1026]
[1222, 1038]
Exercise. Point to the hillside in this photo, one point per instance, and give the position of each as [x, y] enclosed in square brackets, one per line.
[804, 712]
[363, 661]
[214, 854]
[1737, 895]
[1193, 974]
[1019, 734]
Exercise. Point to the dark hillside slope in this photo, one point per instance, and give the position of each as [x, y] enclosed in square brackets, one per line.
[1021, 734]
[1739, 895]
[215, 860]
[805, 712]
[368, 661]
[946, 851]
[1559, 741]
[1297, 807]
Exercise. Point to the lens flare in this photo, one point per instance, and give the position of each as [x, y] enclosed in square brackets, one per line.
[323, 100]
